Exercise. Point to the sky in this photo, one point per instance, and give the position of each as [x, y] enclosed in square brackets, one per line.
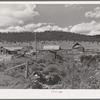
[77, 18]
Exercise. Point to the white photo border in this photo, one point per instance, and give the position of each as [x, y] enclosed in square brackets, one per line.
[49, 93]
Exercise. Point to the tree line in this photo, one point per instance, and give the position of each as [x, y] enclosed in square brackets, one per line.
[46, 36]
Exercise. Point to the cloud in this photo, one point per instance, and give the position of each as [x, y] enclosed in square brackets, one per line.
[50, 28]
[13, 15]
[94, 33]
[93, 14]
[28, 27]
[71, 5]
[83, 27]
[91, 28]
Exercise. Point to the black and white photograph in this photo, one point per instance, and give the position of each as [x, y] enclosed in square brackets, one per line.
[50, 46]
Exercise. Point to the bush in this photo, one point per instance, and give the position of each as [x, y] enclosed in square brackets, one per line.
[53, 79]
[93, 83]
[2, 67]
[36, 85]
[41, 61]
[85, 58]
[12, 73]
[51, 69]
[35, 67]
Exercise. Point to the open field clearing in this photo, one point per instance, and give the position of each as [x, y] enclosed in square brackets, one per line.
[63, 44]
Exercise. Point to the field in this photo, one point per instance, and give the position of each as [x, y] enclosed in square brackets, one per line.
[63, 44]
[71, 69]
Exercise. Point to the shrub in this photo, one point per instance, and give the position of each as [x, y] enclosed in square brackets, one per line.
[41, 61]
[84, 58]
[2, 67]
[51, 69]
[36, 85]
[35, 67]
[12, 73]
[53, 79]
[93, 83]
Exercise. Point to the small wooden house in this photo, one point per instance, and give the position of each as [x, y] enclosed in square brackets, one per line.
[78, 47]
[12, 50]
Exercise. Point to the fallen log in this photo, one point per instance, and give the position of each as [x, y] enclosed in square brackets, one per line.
[16, 66]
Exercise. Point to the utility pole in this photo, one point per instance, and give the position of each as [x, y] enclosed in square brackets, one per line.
[36, 44]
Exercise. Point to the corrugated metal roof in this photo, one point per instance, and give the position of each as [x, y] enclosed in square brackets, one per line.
[13, 48]
[51, 47]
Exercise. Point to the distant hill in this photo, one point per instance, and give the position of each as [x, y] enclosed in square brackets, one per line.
[97, 36]
[47, 35]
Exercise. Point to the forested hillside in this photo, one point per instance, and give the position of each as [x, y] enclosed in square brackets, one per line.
[47, 35]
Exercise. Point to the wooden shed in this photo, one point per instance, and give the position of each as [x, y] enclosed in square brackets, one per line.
[52, 47]
[3, 50]
[78, 47]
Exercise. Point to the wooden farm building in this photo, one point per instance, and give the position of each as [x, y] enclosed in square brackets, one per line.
[78, 47]
[3, 50]
[51, 47]
[9, 50]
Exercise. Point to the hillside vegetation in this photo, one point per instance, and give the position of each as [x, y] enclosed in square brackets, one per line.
[47, 35]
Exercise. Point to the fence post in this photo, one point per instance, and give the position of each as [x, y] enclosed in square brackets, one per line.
[26, 73]
[4, 61]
